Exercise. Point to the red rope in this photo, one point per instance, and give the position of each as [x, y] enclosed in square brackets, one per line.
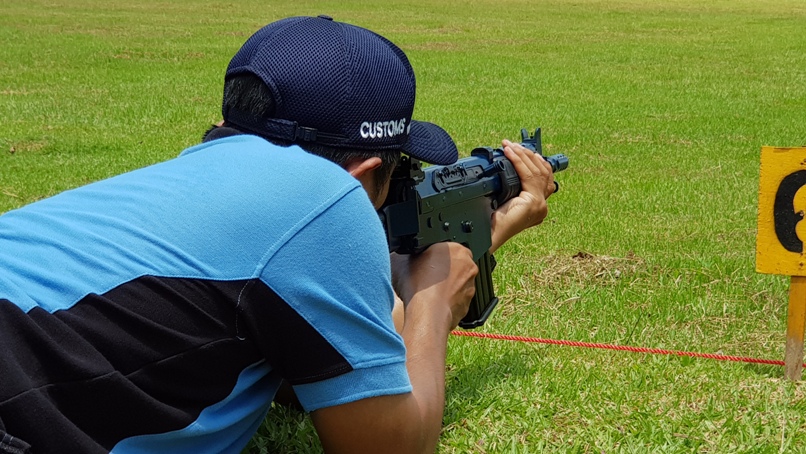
[657, 351]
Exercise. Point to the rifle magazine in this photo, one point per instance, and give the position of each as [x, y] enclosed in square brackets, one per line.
[484, 301]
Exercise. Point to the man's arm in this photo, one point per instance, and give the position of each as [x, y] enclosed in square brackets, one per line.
[436, 287]
[412, 422]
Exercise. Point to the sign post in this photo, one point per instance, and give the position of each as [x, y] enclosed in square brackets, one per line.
[793, 359]
[779, 247]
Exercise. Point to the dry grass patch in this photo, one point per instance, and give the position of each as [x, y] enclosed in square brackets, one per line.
[584, 268]
[27, 146]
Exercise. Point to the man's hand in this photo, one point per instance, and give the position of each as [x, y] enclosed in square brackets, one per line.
[529, 208]
[443, 275]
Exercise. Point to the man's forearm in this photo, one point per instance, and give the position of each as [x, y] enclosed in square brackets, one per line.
[403, 423]
[425, 333]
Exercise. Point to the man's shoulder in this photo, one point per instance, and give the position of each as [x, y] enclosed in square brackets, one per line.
[229, 141]
[248, 153]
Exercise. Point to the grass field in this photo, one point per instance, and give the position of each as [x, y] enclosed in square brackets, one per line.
[662, 107]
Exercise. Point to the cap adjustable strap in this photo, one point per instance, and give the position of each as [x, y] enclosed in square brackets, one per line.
[276, 128]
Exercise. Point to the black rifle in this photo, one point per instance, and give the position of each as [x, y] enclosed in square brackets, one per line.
[454, 203]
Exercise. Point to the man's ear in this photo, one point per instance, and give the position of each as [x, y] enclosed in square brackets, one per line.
[362, 168]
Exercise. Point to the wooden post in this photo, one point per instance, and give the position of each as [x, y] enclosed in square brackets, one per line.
[781, 239]
[795, 323]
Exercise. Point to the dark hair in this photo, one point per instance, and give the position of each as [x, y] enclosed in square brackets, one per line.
[248, 94]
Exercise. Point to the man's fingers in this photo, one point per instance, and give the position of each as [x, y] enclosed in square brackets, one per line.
[531, 168]
[523, 160]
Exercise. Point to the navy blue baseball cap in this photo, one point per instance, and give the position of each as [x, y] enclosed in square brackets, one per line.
[339, 85]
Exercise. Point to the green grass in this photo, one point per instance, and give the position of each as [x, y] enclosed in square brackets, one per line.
[662, 107]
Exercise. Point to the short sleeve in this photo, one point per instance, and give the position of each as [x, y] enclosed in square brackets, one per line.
[330, 330]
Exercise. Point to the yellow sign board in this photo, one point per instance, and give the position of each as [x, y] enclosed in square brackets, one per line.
[781, 208]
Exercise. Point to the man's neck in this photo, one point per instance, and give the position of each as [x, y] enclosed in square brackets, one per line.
[219, 132]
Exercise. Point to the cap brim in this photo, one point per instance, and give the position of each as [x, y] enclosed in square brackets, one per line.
[430, 143]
